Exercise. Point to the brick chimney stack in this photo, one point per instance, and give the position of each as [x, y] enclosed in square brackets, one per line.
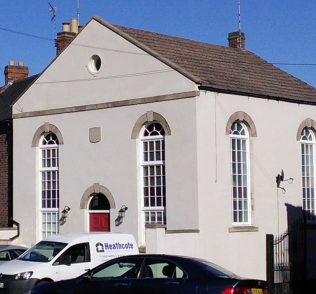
[70, 30]
[236, 40]
[14, 72]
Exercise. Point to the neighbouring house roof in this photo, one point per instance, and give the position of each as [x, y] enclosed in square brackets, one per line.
[220, 68]
[11, 93]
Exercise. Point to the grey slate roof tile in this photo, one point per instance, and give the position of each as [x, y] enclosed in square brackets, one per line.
[11, 94]
[226, 69]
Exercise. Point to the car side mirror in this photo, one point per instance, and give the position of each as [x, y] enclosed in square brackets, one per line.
[65, 259]
[87, 277]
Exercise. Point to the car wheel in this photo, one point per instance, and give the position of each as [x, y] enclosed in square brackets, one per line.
[40, 283]
[46, 291]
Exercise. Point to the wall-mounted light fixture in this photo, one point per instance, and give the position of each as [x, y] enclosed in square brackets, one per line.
[280, 178]
[121, 215]
[64, 215]
[122, 211]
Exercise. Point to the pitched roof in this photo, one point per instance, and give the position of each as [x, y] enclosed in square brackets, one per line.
[11, 93]
[220, 68]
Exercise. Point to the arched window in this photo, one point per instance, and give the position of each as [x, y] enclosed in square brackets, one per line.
[49, 182]
[99, 202]
[240, 160]
[153, 173]
[308, 172]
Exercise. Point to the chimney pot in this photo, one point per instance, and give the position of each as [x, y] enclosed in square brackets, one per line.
[66, 27]
[74, 26]
[236, 40]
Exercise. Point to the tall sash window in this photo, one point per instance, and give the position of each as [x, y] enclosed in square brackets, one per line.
[49, 182]
[153, 174]
[308, 173]
[241, 200]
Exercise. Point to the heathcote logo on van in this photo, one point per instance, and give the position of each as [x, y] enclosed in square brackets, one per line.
[100, 247]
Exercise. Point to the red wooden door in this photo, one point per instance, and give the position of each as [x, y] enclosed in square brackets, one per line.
[99, 222]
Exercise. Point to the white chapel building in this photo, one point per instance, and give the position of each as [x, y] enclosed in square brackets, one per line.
[174, 141]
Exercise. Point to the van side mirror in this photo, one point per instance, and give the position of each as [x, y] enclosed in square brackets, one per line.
[65, 259]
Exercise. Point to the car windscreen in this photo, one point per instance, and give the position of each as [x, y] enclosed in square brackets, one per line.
[43, 251]
[17, 252]
[215, 269]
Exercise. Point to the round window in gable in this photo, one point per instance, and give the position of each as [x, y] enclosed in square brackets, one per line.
[94, 64]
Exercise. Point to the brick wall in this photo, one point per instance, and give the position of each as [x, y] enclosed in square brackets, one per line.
[5, 175]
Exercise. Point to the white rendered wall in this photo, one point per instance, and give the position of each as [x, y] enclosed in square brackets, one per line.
[112, 163]
[274, 148]
[197, 167]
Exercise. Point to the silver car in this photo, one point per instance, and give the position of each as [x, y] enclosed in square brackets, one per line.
[9, 252]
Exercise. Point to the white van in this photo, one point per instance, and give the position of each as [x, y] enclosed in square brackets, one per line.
[63, 257]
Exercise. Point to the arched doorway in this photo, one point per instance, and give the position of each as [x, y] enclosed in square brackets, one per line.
[99, 213]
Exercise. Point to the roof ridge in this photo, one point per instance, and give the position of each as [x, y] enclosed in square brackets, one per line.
[175, 37]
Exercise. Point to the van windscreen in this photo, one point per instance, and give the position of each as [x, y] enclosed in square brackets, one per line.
[43, 251]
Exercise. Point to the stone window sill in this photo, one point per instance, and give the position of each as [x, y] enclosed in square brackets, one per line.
[8, 229]
[155, 226]
[182, 231]
[240, 229]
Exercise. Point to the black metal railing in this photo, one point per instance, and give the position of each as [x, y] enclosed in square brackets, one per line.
[286, 260]
[281, 268]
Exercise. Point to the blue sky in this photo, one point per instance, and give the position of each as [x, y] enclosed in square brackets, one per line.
[279, 31]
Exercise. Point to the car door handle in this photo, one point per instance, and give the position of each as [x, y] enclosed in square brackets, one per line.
[121, 284]
[172, 283]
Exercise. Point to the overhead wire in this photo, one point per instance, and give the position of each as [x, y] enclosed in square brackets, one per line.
[123, 51]
[72, 44]
[29, 35]
[152, 72]
[294, 64]
[25, 34]
[145, 73]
